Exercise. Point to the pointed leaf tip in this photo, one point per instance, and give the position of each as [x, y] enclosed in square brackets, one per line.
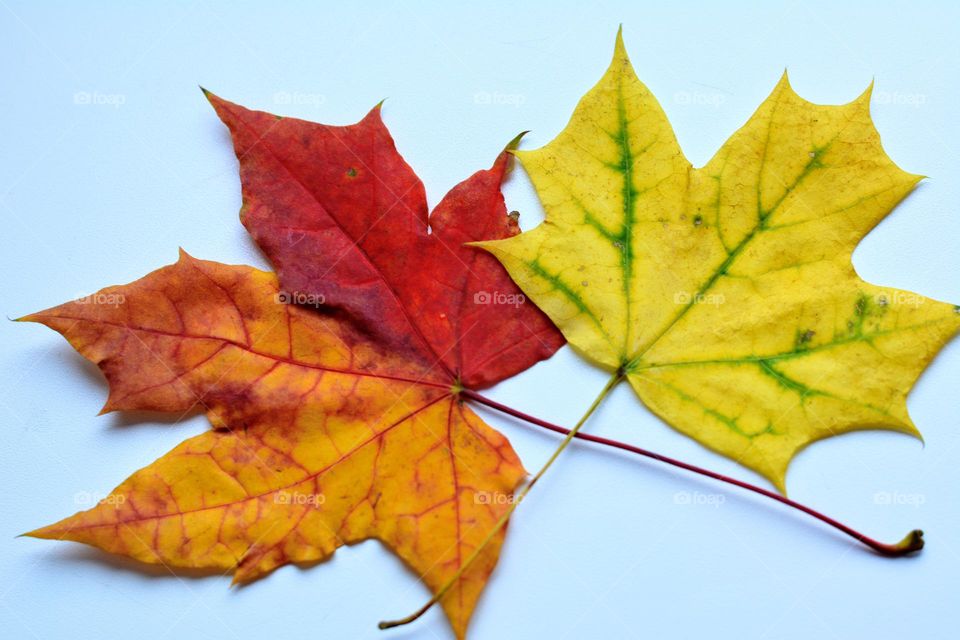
[376, 112]
[864, 97]
[215, 101]
[209, 95]
[515, 142]
[618, 47]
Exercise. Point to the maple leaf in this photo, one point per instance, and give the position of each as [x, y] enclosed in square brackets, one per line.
[726, 295]
[331, 425]
[353, 230]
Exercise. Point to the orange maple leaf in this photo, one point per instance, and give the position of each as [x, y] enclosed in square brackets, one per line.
[333, 424]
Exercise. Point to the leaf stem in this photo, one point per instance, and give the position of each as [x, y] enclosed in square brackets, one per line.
[502, 521]
[912, 542]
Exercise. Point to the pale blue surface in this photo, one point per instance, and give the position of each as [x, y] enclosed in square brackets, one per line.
[101, 193]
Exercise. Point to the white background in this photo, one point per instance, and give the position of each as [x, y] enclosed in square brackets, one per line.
[101, 193]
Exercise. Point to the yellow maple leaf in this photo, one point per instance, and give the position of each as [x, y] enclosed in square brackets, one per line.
[726, 294]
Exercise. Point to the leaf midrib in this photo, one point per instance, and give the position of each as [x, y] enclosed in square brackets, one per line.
[244, 347]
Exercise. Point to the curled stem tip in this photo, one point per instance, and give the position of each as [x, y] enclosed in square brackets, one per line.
[911, 543]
